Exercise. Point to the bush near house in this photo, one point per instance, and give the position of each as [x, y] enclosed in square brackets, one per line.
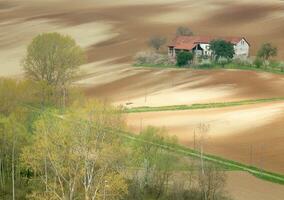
[154, 59]
[184, 58]
[222, 49]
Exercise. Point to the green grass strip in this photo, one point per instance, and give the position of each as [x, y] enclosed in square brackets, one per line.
[269, 69]
[200, 106]
[227, 164]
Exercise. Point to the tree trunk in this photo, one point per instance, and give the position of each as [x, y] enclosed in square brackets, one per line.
[13, 168]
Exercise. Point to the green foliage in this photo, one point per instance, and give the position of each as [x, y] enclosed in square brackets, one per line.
[267, 51]
[13, 137]
[79, 151]
[52, 58]
[13, 93]
[201, 106]
[223, 61]
[258, 62]
[52, 61]
[183, 58]
[221, 48]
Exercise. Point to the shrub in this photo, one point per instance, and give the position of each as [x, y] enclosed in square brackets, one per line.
[243, 62]
[281, 66]
[153, 58]
[205, 64]
[258, 62]
[183, 58]
[223, 61]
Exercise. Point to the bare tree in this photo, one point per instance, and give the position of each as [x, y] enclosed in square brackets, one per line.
[157, 42]
[212, 181]
[183, 31]
[202, 130]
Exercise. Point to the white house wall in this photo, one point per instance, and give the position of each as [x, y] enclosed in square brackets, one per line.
[206, 48]
[242, 49]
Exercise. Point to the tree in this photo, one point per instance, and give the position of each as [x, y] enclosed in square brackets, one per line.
[157, 42]
[183, 58]
[258, 62]
[14, 93]
[13, 137]
[154, 161]
[78, 155]
[267, 51]
[53, 60]
[212, 182]
[184, 31]
[222, 48]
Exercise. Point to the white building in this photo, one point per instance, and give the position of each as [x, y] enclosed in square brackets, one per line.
[200, 45]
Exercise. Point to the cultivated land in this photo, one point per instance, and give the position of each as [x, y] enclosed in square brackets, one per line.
[113, 31]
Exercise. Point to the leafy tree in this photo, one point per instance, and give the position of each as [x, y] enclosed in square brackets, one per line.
[267, 51]
[13, 137]
[183, 58]
[157, 42]
[13, 94]
[53, 60]
[155, 162]
[184, 31]
[221, 48]
[78, 155]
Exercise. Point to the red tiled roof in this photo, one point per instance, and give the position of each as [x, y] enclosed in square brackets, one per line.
[189, 42]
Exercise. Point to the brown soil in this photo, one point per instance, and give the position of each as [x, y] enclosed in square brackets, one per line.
[122, 28]
[249, 134]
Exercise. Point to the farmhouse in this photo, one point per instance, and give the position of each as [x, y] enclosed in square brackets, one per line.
[199, 45]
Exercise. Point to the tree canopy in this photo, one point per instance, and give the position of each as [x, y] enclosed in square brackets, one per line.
[53, 58]
[222, 48]
[78, 156]
[52, 61]
[267, 51]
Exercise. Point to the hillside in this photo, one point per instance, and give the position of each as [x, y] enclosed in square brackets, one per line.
[112, 32]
